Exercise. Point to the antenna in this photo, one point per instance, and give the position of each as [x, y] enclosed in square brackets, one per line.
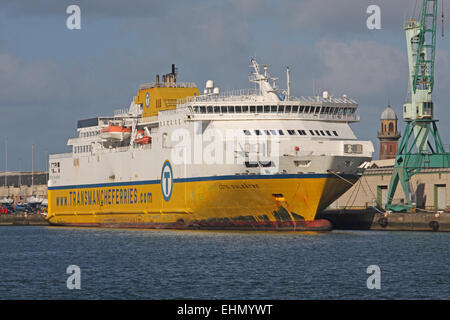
[20, 173]
[442, 18]
[263, 81]
[288, 83]
[314, 86]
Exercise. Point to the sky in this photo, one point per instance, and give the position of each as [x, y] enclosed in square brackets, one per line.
[51, 76]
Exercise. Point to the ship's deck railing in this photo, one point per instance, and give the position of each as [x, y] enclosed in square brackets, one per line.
[275, 116]
[149, 119]
[254, 95]
[167, 85]
[120, 149]
[234, 95]
[127, 148]
[120, 112]
[319, 99]
[60, 155]
[104, 150]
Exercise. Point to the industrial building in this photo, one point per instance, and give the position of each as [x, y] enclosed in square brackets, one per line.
[429, 186]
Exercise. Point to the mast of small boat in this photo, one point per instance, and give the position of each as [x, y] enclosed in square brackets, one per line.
[32, 168]
[20, 174]
[6, 167]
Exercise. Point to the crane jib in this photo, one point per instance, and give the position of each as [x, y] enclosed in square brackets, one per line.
[426, 48]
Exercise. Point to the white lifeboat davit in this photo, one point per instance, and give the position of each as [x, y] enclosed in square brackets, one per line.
[113, 132]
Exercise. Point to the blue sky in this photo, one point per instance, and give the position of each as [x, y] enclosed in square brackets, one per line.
[51, 76]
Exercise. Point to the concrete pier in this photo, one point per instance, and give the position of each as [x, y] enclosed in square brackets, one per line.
[372, 220]
[23, 220]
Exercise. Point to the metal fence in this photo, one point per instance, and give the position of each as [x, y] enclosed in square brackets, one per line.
[14, 179]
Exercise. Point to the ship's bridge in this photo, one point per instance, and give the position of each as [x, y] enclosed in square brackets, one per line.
[249, 104]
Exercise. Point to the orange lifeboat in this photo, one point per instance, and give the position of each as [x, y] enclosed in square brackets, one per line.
[114, 132]
[141, 138]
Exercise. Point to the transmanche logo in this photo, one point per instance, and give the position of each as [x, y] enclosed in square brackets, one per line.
[166, 180]
[147, 100]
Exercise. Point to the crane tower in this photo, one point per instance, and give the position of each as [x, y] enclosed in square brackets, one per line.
[421, 145]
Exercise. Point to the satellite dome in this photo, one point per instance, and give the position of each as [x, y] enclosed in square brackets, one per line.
[388, 114]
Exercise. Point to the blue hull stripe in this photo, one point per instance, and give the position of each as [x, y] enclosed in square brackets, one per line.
[211, 178]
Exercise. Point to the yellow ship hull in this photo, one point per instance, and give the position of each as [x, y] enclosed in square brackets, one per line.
[281, 202]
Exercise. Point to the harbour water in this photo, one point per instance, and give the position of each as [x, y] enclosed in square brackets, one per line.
[160, 264]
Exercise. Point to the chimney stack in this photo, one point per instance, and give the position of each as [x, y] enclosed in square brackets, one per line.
[174, 73]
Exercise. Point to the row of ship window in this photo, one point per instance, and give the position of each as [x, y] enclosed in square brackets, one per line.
[170, 122]
[275, 109]
[84, 134]
[291, 132]
[81, 149]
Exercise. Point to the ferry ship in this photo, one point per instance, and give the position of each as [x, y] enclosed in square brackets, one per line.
[256, 159]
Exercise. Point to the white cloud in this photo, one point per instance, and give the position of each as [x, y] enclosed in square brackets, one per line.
[366, 68]
[26, 82]
[334, 16]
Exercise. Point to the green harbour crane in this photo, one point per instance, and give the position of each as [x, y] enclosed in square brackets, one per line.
[421, 145]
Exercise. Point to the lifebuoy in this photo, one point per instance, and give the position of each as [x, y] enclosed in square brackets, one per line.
[383, 222]
[434, 225]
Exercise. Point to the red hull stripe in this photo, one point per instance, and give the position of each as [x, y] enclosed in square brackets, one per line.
[315, 225]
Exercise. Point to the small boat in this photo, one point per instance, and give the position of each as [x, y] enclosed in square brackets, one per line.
[6, 201]
[141, 138]
[114, 132]
[34, 200]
